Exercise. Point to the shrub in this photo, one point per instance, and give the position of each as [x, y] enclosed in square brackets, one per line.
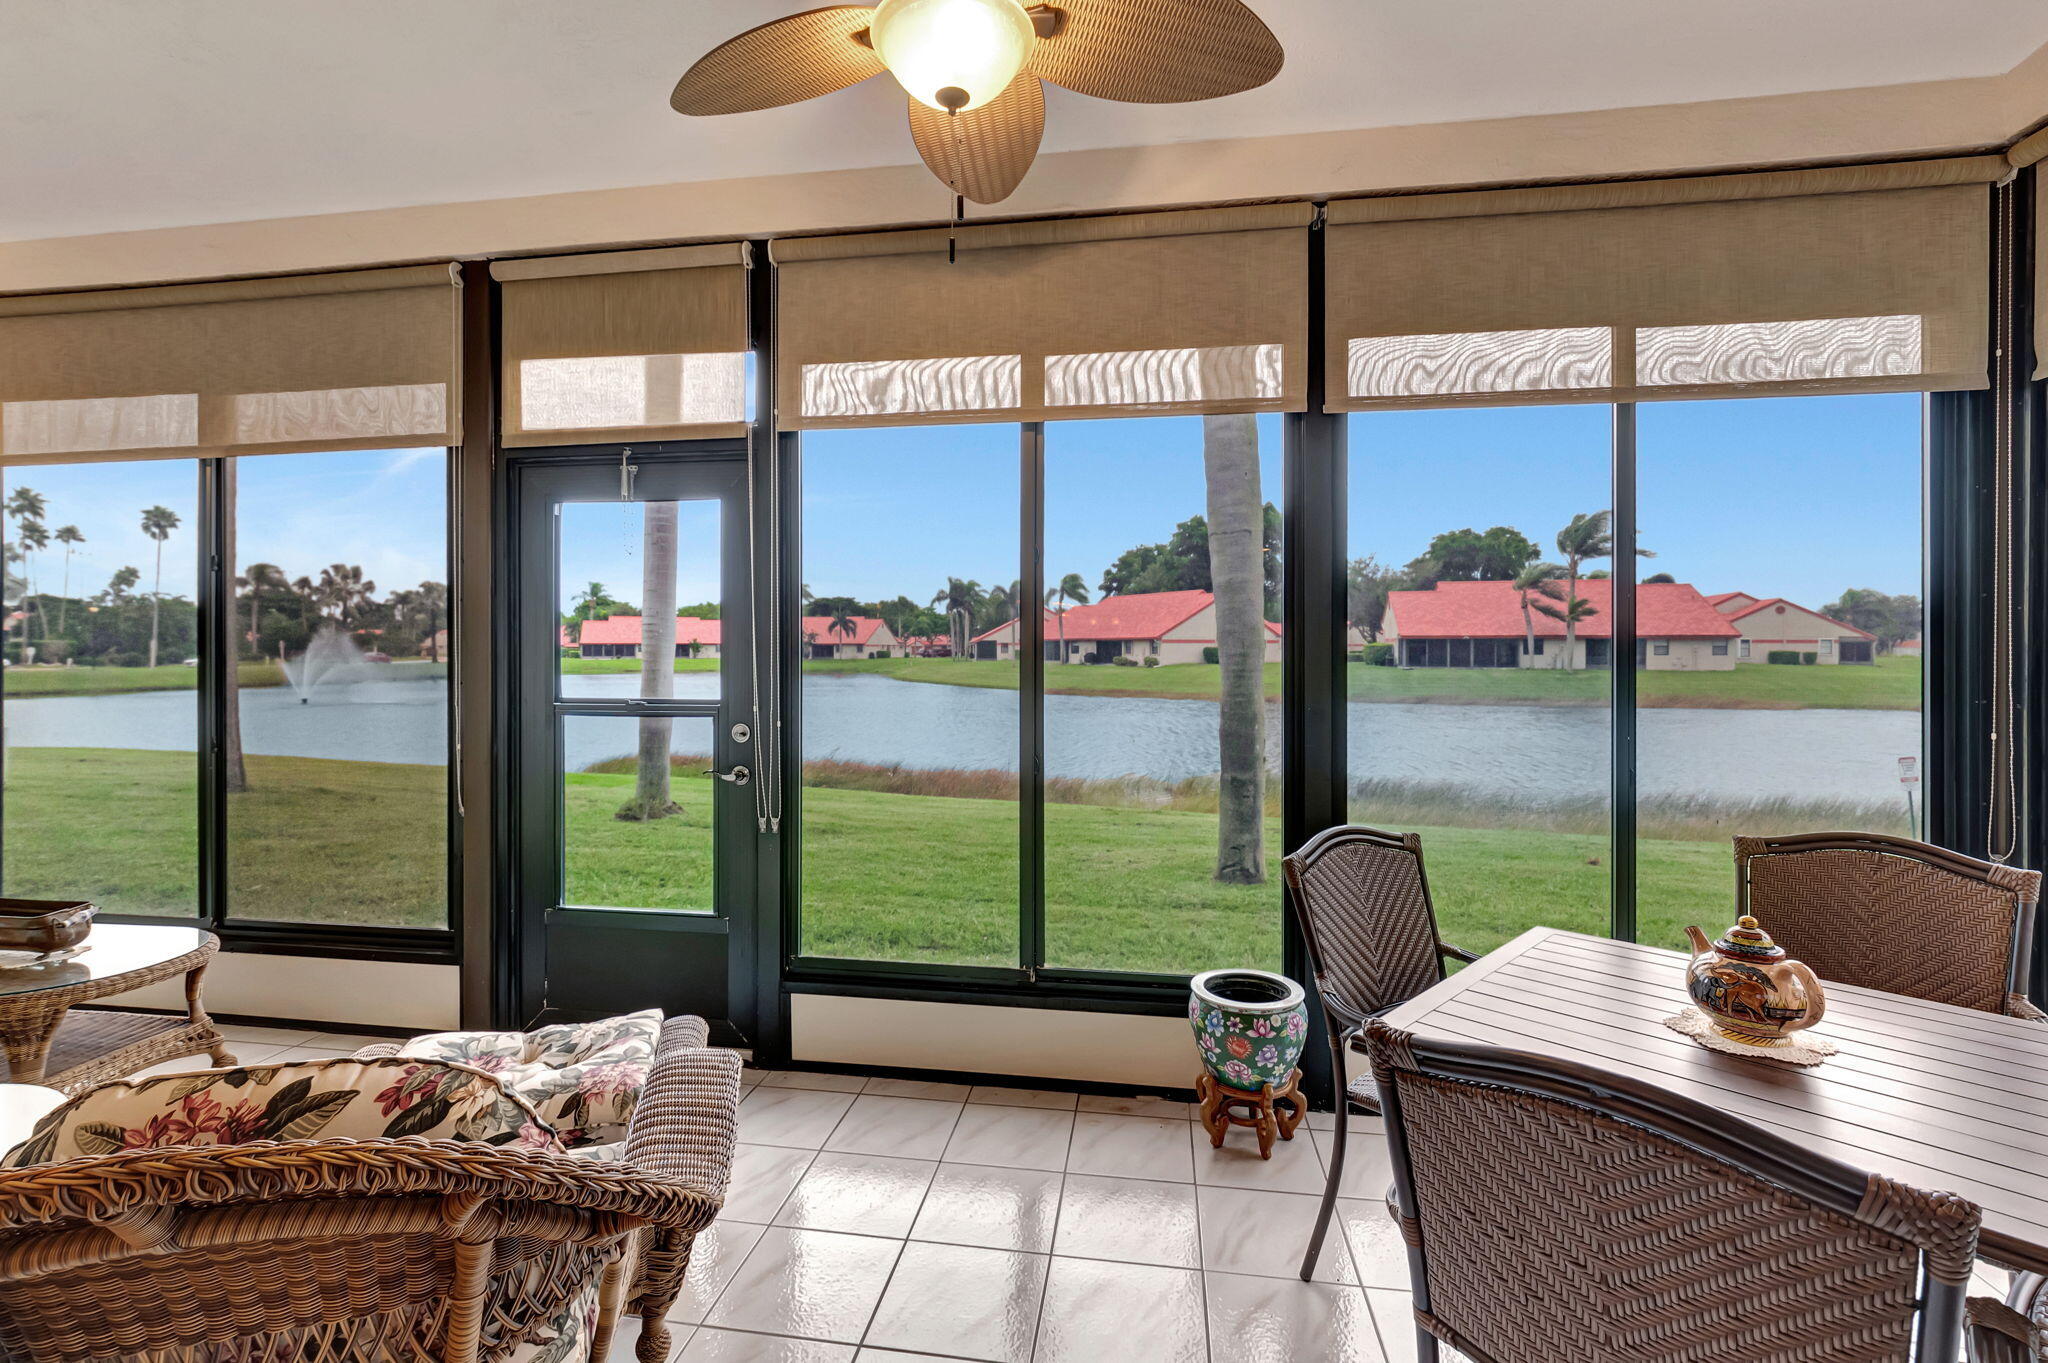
[571, 651]
[1124, 660]
[1210, 655]
[1809, 659]
[1091, 659]
[1783, 656]
[1151, 660]
[126, 660]
[1377, 655]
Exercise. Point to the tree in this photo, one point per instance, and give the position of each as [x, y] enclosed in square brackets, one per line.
[1182, 563]
[236, 771]
[1469, 556]
[259, 578]
[121, 583]
[842, 623]
[1366, 585]
[1236, 551]
[432, 600]
[67, 535]
[1893, 619]
[1658, 577]
[1071, 588]
[34, 539]
[1586, 536]
[1534, 580]
[157, 522]
[959, 599]
[651, 793]
[344, 590]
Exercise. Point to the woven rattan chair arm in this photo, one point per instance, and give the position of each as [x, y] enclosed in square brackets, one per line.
[688, 1115]
[1456, 953]
[383, 1050]
[2020, 1006]
[1999, 1334]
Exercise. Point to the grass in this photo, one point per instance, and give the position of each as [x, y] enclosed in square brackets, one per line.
[891, 871]
[21, 682]
[1889, 684]
[601, 666]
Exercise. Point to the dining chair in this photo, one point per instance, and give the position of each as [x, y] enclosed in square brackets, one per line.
[1893, 914]
[1361, 899]
[2014, 1330]
[1552, 1211]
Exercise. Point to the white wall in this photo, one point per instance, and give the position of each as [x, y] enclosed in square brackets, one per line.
[319, 989]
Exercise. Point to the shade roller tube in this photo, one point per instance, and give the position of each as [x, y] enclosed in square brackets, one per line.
[1137, 314]
[1780, 283]
[353, 360]
[642, 345]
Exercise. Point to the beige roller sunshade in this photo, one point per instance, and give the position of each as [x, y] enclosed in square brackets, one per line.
[358, 360]
[1859, 279]
[2029, 151]
[1144, 314]
[645, 345]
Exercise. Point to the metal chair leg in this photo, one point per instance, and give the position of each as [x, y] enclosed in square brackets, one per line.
[1426, 1346]
[1336, 1179]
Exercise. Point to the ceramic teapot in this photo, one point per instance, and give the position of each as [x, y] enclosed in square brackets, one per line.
[1747, 986]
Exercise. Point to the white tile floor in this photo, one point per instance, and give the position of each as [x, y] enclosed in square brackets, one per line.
[900, 1221]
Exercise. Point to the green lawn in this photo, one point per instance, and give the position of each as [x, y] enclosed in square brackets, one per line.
[577, 666]
[1889, 684]
[103, 681]
[886, 876]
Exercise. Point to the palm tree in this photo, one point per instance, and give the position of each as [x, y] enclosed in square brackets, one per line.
[34, 539]
[119, 585]
[1072, 588]
[67, 535]
[842, 622]
[433, 599]
[1534, 579]
[651, 792]
[1586, 536]
[343, 586]
[157, 522]
[261, 577]
[592, 599]
[960, 600]
[1237, 575]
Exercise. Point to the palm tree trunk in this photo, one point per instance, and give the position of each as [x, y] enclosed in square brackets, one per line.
[156, 601]
[64, 601]
[231, 679]
[1571, 619]
[1230, 458]
[657, 664]
[1528, 632]
[1063, 632]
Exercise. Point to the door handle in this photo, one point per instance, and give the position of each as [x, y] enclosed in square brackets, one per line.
[738, 776]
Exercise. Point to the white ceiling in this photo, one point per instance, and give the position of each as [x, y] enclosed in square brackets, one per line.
[124, 114]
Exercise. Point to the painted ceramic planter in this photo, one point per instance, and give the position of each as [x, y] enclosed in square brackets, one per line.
[1249, 1026]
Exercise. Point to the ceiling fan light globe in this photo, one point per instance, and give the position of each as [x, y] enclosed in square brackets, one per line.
[938, 48]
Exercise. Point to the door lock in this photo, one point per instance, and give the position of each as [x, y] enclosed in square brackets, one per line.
[738, 776]
[741, 733]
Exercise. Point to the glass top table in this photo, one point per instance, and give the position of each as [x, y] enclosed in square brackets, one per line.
[49, 1041]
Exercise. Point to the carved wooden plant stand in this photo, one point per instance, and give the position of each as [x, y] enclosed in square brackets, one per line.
[1271, 1111]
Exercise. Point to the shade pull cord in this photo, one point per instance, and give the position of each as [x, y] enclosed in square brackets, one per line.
[2001, 824]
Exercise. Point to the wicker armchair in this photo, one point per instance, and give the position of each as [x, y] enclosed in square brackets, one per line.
[1361, 898]
[2014, 1330]
[368, 1251]
[1555, 1211]
[1843, 903]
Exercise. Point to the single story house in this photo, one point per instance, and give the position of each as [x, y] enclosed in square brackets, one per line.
[1173, 627]
[1907, 648]
[618, 636]
[871, 638]
[1772, 624]
[1480, 624]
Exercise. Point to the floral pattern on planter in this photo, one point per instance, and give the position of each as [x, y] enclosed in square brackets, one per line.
[583, 1078]
[1248, 1043]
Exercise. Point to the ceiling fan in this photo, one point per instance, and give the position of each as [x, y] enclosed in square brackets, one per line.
[973, 68]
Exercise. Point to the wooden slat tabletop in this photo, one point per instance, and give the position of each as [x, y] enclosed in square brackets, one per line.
[1941, 1097]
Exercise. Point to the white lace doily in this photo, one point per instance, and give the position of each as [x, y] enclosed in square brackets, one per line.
[1801, 1048]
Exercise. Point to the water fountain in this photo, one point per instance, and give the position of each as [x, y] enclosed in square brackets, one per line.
[330, 658]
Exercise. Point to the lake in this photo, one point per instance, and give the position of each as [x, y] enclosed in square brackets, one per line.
[1526, 752]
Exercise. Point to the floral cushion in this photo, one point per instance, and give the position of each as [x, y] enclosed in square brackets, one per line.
[584, 1079]
[362, 1099]
[565, 1339]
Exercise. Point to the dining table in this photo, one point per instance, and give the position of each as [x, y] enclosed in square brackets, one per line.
[1944, 1098]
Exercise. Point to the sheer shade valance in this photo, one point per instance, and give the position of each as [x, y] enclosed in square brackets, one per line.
[365, 359]
[1859, 279]
[649, 345]
[1148, 313]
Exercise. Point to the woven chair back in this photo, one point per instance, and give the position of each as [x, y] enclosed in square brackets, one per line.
[313, 1251]
[1892, 914]
[1544, 1224]
[1362, 899]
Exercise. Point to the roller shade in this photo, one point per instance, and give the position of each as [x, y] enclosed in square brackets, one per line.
[1858, 279]
[1135, 315]
[2026, 152]
[364, 359]
[646, 344]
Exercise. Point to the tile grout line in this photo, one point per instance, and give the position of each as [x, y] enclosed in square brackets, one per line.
[903, 1242]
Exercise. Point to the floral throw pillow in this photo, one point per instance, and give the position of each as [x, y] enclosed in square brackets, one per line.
[361, 1099]
[584, 1079]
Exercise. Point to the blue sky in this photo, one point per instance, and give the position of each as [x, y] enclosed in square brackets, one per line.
[1799, 497]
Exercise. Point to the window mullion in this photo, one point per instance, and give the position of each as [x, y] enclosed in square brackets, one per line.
[1031, 700]
[1621, 668]
[215, 655]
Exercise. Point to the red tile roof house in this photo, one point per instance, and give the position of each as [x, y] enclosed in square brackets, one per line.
[871, 638]
[618, 636]
[1173, 627]
[1772, 624]
[1479, 624]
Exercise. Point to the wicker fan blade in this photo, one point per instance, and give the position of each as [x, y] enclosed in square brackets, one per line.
[1157, 51]
[783, 62]
[983, 153]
